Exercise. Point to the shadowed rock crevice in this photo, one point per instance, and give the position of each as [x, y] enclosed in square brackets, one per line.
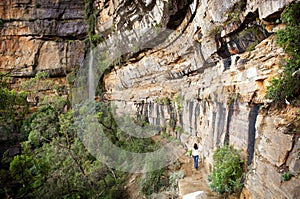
[183, 9]
[237, 37]
[251, 132]
[228, 122]
[130, 12]
[220, 123]
[239, 42]
[36, 57]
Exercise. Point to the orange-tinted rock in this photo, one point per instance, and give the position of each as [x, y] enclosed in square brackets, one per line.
[41, 35]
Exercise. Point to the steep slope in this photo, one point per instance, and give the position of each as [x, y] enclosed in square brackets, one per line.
[206, 81]
[199, 69]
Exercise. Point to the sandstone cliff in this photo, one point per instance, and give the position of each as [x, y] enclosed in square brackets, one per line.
[198, 68]
[205, 80]
[41, 36]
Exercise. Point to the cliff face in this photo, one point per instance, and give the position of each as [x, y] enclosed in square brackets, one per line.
[206, 82]
[194, 70]
[41, 36]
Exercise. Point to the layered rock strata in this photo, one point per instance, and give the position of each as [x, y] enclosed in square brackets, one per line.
[199, 69]
[41, 36]
[207, 81]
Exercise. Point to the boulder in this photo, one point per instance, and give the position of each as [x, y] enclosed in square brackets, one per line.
[195, 195]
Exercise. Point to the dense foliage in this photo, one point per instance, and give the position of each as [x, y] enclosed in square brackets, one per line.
[13, 107]
[287, 85]
[286, 176]
[54, 163]
[90, 18]
[152, 182]
[227, 170]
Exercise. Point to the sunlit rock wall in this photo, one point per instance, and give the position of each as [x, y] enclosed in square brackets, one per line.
[206, 81]
[199, 69]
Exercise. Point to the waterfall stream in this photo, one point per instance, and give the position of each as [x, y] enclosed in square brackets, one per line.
[91, 78]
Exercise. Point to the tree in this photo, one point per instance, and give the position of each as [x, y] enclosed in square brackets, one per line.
[13, 107]
[55, 163]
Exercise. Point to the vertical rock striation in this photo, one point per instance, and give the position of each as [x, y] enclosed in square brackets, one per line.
[207, 80]
[198, 68]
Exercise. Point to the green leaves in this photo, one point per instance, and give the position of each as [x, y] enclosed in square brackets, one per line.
[291, 15]
[13, 108]
[227, 170]
[17, 167]
[42, 126]
[288, 39]
[13, 104]
[55, 163]
[286, 86]
[286, 176]
[152, 182]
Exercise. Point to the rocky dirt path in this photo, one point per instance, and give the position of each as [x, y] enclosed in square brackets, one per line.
[194, 180]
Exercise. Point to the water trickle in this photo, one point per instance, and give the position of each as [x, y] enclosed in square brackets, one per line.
[91, 78]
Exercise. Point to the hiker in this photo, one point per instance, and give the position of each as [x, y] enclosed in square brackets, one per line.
[195, 154]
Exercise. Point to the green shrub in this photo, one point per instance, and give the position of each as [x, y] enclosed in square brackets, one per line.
[163, 101]
[286, 176]
[91, 20]
[55, 164]
[298, 116]
[13, 109]
[174, 177]
[96, 39]
[232, 97]
[286, 86]
[215, 31]
[152, 182]
[227, 170]
[251, 47]
[233, 14]
[189, 153]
